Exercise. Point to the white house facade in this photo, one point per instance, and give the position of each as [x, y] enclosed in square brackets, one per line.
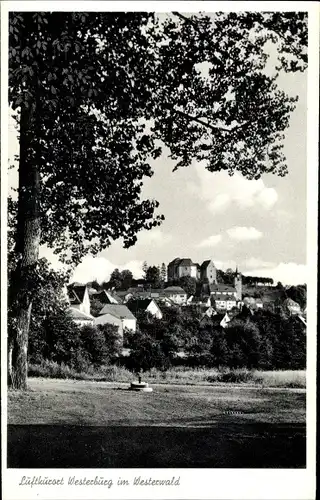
[176, 294]
[118, 315]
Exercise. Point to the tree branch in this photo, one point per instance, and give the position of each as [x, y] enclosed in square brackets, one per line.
[196, 26]
[209, 125]
[181, 16]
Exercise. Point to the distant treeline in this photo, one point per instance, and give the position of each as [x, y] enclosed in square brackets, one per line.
[263, 340]
[256, 280]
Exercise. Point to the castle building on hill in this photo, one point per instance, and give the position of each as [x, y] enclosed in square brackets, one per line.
[185, 267]
[208, 272]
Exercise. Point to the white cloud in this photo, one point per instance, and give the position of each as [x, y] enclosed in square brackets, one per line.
[99, 268]
[242, 233]
[255, 263]
[220, 203]
[153, 237]
[267, 197]
[223, 265]
[221, 191]
[288, 273]
[211, 241]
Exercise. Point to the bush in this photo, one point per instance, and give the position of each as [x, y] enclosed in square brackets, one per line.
[50, 369]
[57, 338]
[94, 345]
[244, 342]
[146, 353]
[113, 341]
[239, 376]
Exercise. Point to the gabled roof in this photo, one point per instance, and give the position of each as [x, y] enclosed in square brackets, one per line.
[205, 264]
[76, 293]
[79, 315]
[108, 297]
[140, 304]
[186, 262]
[119, 311]
[174, 262]
[174, 289]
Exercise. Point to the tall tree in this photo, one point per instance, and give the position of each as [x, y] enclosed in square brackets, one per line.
[188, 283]
[115, 279]
[163, 272]
[126, 279]
[94, 93]
[145, 268]
[153, 276]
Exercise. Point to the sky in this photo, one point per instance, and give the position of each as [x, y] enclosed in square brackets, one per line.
[258, 226]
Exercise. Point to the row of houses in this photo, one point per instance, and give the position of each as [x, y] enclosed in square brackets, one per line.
[120, 308]
[115, 311]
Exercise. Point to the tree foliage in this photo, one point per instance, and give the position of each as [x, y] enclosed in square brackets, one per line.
[120, 280]
[90, 82]
[153, 277]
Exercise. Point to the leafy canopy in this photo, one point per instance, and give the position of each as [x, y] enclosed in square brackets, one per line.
[105, 91]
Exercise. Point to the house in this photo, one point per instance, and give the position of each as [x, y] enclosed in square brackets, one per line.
[78, 297]
[225, 301]
[182, 267]
[145, 305]
[124, 296]
[176, 294]
[208, 272]
[220, 289]
[119, 315]
[165, 302]
[209, 312]
[81, 318]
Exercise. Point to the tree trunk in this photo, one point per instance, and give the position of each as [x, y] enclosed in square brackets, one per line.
[27, 250]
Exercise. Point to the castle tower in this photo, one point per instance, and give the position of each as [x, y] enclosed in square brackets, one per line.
[238, 285]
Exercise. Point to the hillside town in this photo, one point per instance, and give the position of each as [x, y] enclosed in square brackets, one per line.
[184, 284]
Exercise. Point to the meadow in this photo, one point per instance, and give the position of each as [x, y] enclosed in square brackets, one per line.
[70, 423]
[176, 375]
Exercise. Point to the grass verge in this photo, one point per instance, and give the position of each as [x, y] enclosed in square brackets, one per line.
[176, 375]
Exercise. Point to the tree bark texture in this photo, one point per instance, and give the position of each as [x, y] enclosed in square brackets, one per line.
[27, 250]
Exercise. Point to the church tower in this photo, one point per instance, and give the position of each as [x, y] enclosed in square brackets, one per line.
[238, 285]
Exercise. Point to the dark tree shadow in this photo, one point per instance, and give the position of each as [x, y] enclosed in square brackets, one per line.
[203, 444]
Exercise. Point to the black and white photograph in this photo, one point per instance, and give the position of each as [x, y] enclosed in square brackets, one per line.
[159, 244]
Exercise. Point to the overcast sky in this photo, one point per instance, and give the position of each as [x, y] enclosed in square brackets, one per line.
[260, 226]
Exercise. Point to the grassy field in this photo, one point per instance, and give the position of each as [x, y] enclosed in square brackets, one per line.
[176, 375]
[60, 423]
